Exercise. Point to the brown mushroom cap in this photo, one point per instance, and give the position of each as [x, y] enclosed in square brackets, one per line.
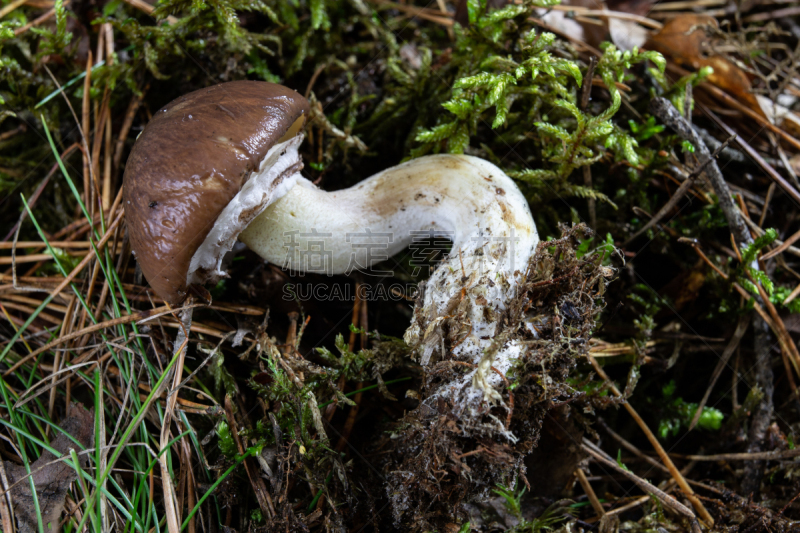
[190, 161]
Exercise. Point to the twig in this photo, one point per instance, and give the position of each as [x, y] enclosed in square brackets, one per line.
[775, 14]
[91, 329]
[314, 77]
[733, 103]
[785, 185]
[84, 141]
[762, 456]
[57, 360]
[787, 345]
[762, 415]
[587, 488]
[85, 127]
[785, 161]
[38, 20]
[621, 15]
[190, 482]
[647, 487]
[173, 519]
[6, 506]
[431, 15]
[72, 275]
[687, 104]
[767, 200]
[147, 8]
[100, 120]
[676, 197]
[676, 474]
[759, 232]
[130, 114]
[361, 320]
[22, 128]
[631, 448]
[664, 110]
[783, 247]
[30, 258]
[8, 9]
[42, 244]
[763, 412]
[627, 507]
[792, 295]
[107, 186]
[741, 327]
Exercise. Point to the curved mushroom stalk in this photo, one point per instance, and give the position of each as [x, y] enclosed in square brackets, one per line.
[465, 198]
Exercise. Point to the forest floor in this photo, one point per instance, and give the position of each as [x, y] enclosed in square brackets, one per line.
[658, 146]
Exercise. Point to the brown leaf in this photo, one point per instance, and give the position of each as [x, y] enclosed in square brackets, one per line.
[685, 41]
[684, 289]
[51, 477]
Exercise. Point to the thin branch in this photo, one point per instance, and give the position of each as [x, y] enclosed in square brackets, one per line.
[587, 488]
[647, 487]
[741, 327]
[751, 152]
[664, 110]
[676, 197]
[662, 454]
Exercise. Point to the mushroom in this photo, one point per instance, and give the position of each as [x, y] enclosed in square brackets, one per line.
[222, 163]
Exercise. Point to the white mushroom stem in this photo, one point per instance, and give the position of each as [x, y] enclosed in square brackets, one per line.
[464, 198]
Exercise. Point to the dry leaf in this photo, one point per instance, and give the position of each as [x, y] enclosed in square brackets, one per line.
[51, 477]
[685, 41]
[780, 116]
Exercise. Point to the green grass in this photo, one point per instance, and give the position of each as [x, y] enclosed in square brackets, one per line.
[134, 444]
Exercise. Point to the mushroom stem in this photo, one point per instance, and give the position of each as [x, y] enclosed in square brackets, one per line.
[464, 198]
[460, 197]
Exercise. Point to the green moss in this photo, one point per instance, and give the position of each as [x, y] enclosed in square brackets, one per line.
[677, 413]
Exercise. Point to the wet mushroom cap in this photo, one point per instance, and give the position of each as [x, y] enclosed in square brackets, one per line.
[190, 161]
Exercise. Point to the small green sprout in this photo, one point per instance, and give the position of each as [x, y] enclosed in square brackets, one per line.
[646, 130]
[678, 413]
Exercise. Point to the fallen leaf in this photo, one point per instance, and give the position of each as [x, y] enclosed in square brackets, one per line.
[779, 115]
[685, 41]
[51, 477]
[684, 289]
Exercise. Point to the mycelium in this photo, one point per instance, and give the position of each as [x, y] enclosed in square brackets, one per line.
[222, 163]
